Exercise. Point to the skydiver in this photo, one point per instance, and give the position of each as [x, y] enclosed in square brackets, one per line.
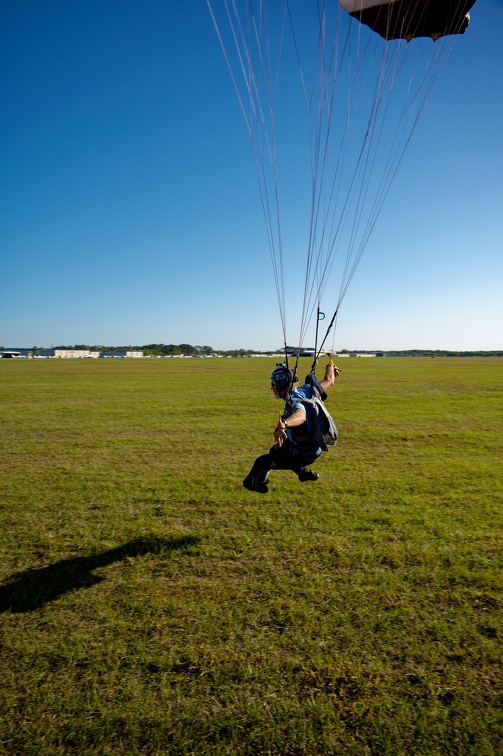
[293, 448]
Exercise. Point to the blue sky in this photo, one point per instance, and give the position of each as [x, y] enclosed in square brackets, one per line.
[129, 205]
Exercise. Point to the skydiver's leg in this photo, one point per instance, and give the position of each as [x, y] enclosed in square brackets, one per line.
[305, 474]
[283, 459]
[258, 477]
[287, 458]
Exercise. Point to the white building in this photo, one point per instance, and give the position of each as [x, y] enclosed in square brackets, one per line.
[122, 353]
[64, 353]
[82, 353]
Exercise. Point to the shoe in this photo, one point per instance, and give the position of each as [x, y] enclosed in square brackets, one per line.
[249, 483]
[306, 474]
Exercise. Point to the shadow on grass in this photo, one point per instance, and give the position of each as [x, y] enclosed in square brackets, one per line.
[33, 588]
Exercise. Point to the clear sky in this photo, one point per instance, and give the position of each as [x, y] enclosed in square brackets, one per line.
[129, 205]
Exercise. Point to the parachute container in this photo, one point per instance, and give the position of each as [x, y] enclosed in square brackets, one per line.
[408, 19]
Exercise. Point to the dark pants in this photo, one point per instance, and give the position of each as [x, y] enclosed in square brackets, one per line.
[284, 457]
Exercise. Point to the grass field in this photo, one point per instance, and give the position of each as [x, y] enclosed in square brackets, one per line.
[151, 605]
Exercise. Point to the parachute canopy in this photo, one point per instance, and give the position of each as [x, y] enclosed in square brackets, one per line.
[407, 19]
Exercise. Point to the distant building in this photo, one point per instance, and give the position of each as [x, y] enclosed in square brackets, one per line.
[121, 353]
[64, 353]
[10, 353]
[360, 354]
[83, 353]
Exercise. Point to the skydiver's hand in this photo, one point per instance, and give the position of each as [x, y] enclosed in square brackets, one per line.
[331, 373]
[279, 435]
[336, 370]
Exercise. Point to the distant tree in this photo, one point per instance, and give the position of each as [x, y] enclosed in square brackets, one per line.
[187, 349]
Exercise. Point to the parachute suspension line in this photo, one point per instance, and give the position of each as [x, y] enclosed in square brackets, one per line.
[315, 141]
[358, 189]
[350, 178]
[363, 174]
[325, 80]
[336, 230]
[226, 57]
[329, 195]
[332, 204]
[403, 135]
[322, 270]
[396, 155]
[265, 73]
[328, 77]
[314, 151]
[276, 259]
[366, 164]
[249, 45]
[296, 48]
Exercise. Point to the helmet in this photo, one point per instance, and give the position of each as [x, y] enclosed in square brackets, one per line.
[282, 376]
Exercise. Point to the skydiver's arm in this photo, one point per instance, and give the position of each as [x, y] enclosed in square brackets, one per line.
[296, 418]
[331, 373]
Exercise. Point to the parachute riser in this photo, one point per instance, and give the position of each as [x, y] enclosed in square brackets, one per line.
[317, 353]
[319, 316]
[294, 374]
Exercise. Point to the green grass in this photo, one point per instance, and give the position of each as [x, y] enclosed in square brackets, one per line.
[151, 605]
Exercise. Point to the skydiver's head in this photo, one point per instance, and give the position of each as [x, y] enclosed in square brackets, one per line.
[282, 381]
